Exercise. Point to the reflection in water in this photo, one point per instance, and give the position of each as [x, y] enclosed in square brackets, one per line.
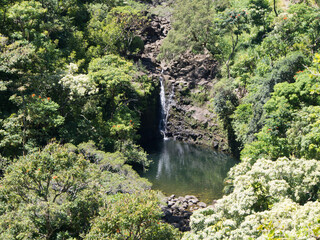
[163, 165]
[181, 169]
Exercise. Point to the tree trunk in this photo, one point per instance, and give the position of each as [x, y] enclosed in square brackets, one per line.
[24, 127]
[275, 7]
[228, 69]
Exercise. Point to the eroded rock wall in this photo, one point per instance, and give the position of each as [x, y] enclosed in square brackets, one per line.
[188, 82]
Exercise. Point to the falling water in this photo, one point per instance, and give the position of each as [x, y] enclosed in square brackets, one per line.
[163, 108]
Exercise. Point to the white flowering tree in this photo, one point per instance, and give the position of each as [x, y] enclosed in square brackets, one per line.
[269, 200]
[78, 84]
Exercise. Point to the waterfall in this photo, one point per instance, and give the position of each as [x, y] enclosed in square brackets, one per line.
[163, 109]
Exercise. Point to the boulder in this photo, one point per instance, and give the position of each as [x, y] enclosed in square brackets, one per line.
[171, 203]
[188, 197]
[194, 200]
[202, 205]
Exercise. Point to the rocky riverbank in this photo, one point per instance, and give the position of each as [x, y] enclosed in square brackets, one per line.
[178, 210]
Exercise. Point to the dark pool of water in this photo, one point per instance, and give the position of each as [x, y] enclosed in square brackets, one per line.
[184, 169]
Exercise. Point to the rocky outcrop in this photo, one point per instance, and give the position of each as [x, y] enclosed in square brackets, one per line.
[188, 82]
[178, 210]
[152, 35]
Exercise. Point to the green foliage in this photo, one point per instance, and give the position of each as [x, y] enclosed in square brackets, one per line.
[45, 183]
[229, 26]
[260, 51]
[111, 73]
[200, 96]
[243, 68]
[131, 216]
[296, 30]
[62, 77]
[135, 154]
[261, 89]
[243, 115]
[115, 31]
[225, 103]
[26, 16]
[58, 191]
[192, 22]
[114, 77]
[42, 38]
[303, 135]
[17, 57]
[290, 126]
[35, 124]
[259, 11]
[111, 93]
[221, 5]
[270, 199]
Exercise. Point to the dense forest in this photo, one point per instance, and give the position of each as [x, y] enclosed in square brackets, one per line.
[74, 94]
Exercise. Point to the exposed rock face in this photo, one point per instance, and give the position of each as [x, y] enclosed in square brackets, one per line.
[188, 82]
[153, 35]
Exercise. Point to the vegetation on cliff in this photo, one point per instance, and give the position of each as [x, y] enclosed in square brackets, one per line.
[69, 92]
[263, 56]
[72, 99]
[267, 95]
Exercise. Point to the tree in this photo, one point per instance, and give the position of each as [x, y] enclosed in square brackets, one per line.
[43, 193]
[253, 115]
[290, 126]
[114, 76]
[32, 126]
[115, 31]
[275, 7]
[132, 216]
[269, 200]
[296, 30]
[229, 26]
[56, 192]
[259, 11]
[26, 15]
[191, 27]
[225, 103]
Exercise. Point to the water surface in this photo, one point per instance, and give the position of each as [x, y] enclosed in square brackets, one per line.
[184, 169]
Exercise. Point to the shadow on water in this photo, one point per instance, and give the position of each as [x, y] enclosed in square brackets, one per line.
[184, 169]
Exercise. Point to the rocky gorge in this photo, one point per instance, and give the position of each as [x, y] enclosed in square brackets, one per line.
[188, 81]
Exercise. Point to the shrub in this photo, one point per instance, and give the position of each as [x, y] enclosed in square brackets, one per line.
[131, 216]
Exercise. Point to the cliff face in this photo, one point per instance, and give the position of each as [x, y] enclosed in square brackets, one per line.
[188, 82]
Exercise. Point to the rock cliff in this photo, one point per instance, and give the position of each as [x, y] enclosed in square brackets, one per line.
[188, 83]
